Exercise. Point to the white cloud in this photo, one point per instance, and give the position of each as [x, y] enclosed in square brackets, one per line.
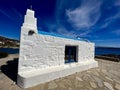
[12, 14]
[116, 16]
[117, 32]
[109, 20]
[106, 24]
[4, 13]
[117, 2]
[86, 15]
[65, 32]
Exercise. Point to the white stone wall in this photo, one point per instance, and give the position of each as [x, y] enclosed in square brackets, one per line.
[43, 51]
[43, 55]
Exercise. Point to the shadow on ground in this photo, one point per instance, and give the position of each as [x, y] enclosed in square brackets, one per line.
[11, 69]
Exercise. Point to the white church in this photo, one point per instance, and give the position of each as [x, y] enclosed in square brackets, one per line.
[46, 56]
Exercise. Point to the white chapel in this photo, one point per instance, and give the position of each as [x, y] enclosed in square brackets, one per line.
[46, 56]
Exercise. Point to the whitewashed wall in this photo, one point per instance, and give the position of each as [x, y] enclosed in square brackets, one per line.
[43, 51]
[41, 56]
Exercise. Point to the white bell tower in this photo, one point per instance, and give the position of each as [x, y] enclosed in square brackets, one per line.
[28, 32]
[30, 23]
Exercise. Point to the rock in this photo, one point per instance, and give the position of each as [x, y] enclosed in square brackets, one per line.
[117, 86]
[93, 85]
[108, 85]
[52, 85]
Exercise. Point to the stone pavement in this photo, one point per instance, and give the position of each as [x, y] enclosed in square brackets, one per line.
[104, 77]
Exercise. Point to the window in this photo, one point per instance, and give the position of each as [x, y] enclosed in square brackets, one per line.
[31, 32]
[70, 54]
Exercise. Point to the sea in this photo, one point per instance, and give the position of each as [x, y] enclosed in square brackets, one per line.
[106, 50]
[10, 50]
[98, 50]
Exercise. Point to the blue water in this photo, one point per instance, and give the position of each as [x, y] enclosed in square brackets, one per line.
[103, 50]
[10, 50]
[98, 50]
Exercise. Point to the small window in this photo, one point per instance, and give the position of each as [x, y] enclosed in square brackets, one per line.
[70, 54]
[31, 32]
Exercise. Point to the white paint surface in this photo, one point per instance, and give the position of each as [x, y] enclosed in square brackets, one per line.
[41, 57]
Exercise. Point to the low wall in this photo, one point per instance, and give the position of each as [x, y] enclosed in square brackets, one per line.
[33, 78]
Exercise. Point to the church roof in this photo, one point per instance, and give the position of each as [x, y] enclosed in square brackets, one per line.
[62, 36]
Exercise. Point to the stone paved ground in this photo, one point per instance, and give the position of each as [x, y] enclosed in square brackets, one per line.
[104, 77]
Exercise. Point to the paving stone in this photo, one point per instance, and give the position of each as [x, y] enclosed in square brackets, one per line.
[39, 87]
[117, 86]
[84, 89]
[87, 77]
[93, 85]
[104, 71]
[52, 85]
[114, 72]
[110, 75]
[92, 79]
[108, 85]
[79, 79]
[109, 78]
[79, 84]
[67, 82]
[96, 73]
[116, 80]
[98, 69]
[105, 88]
[89, 71]
[70, 88]
[61, 85]
[1, 89]
[99, 81]
[12, 88]
[89, 87]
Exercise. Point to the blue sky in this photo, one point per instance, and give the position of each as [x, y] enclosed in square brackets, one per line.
[95, 20]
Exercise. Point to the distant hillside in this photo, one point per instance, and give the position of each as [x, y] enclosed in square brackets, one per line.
[7, 42]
